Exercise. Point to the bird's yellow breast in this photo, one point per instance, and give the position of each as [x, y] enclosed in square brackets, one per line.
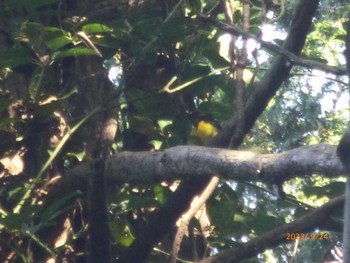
[205, 131]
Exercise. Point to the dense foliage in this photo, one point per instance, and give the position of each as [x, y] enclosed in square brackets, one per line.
[81, 79]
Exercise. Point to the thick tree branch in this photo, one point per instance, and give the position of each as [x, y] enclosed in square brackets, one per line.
[184, 162]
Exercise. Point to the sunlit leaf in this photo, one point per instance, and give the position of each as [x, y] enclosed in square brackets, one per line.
[96, 28]
[121, 232]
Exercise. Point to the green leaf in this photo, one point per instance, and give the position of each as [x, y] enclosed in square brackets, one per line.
[176, 29]
[32, 33]
[79, 155]
[96, 28]
[75, 51]
[15, 192]
[143, 125]
[56, 38]
[58, 207]
[182, 126]
[36, 81]
[13, 221]
[314, 191]
[221, 213]
[130, 202]
[218, 110]
[264, 223]
[107, 42]
[121, 232]
[13, 57]
[151, 103]
[161, 193]
[334, 189]
[211, 53]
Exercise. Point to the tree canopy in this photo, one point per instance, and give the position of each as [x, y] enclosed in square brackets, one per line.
[194, 131]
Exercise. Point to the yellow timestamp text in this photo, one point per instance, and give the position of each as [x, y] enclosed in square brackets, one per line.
[304, 236]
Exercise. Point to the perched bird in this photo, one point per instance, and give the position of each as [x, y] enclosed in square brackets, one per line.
[206, 128]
